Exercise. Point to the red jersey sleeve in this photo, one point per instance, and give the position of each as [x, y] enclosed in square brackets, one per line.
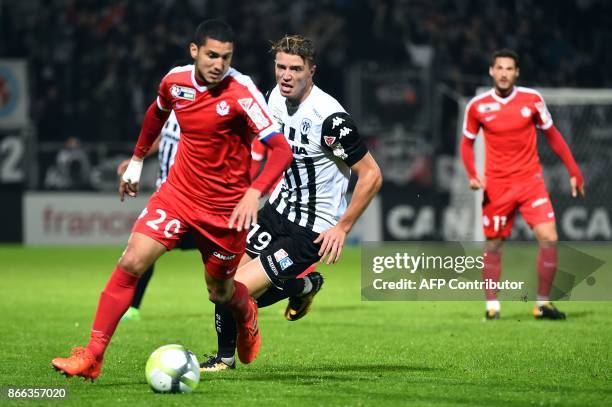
[471, 124]
[542, 117]
[258, 153]
[164, 99]
[258, 150]
[253, 106]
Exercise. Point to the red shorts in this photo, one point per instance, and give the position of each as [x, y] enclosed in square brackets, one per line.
[501, 202]
[169, 215]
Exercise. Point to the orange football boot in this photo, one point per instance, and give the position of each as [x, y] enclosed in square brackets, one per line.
[80, 363]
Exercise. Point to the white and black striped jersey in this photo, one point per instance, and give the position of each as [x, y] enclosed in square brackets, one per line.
[325, 144]
[168, 144]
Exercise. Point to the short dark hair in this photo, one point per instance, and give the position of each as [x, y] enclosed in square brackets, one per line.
[296, 45]
[215, 29]
[505, 53]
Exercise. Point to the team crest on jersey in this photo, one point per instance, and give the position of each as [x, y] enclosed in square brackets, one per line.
[305, 126]
[255, 113]
[489, 107]
[223, 108]
[525, 111]
[182, 92]
[329, 140]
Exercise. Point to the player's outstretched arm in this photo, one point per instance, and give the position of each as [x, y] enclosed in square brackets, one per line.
[467, 156]
[369, 181]
[279, 158]
[560, 147]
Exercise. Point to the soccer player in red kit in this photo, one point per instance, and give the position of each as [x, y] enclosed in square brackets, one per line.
[509, 116]
[208, 190]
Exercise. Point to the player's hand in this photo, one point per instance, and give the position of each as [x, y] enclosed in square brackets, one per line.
[245, 213]
[576, 189]
[122, 166]
[332, 242]
[130, 178]
[127, 188]
[476, 183]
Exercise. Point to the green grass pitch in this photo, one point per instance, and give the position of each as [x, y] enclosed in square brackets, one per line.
[345, 352]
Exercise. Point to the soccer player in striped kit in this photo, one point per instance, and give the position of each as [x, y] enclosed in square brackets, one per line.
[307, 217]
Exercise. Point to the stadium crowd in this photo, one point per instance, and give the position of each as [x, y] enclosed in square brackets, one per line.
[94, 64]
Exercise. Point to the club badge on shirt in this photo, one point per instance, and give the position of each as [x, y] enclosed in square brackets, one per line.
[222, 108]
[526, 112]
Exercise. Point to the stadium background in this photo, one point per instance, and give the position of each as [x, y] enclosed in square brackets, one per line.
[75, 78]
[78, 75]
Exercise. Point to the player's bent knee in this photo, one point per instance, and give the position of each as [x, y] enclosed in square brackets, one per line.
[549, 237]
[220, 294]
[219, 298]
[133, 263]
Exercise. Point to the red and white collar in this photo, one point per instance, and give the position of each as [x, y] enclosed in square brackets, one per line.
[505, 100]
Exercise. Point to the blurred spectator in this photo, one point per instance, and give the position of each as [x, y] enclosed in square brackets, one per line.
[95, 63]
[72, 168]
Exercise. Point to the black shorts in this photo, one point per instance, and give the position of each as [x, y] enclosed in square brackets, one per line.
[285, 249]
[187, 242]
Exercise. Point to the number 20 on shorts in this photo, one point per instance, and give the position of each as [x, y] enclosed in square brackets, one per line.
[171, 228]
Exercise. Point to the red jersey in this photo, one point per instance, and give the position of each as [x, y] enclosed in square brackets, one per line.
[509, 127]
[213, 160]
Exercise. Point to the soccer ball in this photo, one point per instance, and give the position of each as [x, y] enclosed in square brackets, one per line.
[172, 369]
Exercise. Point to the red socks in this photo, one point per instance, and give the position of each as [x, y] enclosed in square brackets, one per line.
[491, 271]
[239, 304]
[547, 267]
[114, 301]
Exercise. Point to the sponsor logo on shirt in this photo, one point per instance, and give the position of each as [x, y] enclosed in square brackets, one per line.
[299, 150]
[344, 131]
[337, 121]
[222, 108]
[525, 111]
[255, 113]
[489, 118]
[489, 107]
[182, 92]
